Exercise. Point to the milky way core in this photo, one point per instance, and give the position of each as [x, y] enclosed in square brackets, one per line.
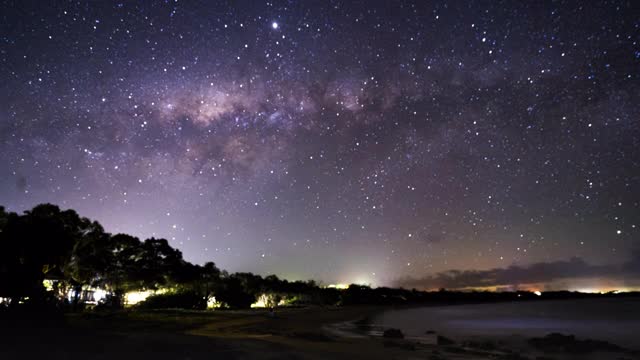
[374, 142]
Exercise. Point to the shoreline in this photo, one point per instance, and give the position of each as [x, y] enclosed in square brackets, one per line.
[293, 333]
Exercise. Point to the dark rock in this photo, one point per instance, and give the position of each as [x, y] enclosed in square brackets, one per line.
[555, 342]
[445, 341]
[482, 345]
[393, 334]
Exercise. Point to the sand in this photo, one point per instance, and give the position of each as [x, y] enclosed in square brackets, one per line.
[290, 334]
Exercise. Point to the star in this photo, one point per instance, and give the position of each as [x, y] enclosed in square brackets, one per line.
[356, 133]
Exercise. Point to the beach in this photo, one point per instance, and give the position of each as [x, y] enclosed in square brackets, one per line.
[289, 334]
[298, 333]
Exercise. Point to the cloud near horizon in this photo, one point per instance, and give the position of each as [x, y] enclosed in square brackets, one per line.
[537, 273]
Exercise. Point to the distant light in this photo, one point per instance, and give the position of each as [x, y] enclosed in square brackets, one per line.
[135, 297]
[268, 301]
[99, 295]
[274, 25]
[261, 302]
[48, 284]
[338, 286]
[537, 293]
[212, 303]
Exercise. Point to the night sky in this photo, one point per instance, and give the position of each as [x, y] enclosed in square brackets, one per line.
[345, 141]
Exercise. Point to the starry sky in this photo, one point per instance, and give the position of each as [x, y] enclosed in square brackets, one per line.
[381, 142]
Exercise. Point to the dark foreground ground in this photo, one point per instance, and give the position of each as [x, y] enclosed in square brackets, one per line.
[290, 334]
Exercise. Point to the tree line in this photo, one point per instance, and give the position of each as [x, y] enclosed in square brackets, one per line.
[76, 252]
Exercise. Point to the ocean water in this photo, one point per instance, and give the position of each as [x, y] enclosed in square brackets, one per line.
[614, 320]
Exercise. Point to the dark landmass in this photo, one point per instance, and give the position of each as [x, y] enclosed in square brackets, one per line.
[56, 260]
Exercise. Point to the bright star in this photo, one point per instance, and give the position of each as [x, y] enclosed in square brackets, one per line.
[274, 25]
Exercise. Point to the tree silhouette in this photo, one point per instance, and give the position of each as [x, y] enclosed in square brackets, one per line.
[91, 257]
[38, 243]
[233, 293]
[157, 264]
[49, 243]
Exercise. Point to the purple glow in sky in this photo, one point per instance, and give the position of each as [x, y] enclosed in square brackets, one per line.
[363, 141]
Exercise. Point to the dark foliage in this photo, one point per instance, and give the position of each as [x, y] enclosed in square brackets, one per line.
[75, 253]
[235, 292]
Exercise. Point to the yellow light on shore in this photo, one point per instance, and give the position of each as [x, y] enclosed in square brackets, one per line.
[48, 284]
[538, 293]
[261, 303]
[99, 295]
[212, 303]
[338, 286]
[135, 297]
[269, 300]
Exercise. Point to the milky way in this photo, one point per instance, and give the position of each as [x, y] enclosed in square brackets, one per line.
[342, 141]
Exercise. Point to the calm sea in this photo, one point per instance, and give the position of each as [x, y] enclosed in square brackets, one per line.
[614, 320]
